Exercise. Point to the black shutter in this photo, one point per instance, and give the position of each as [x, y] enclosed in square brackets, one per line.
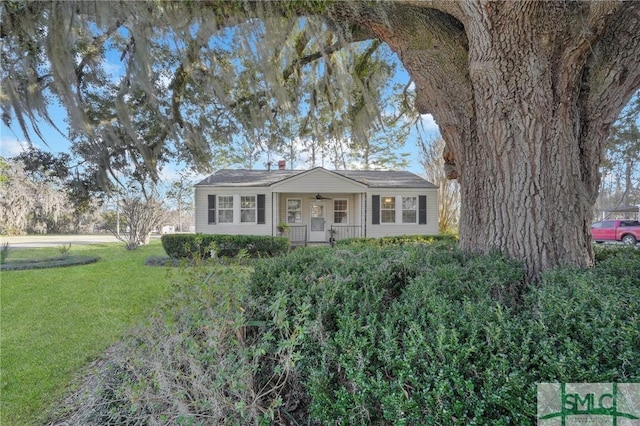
[211, 208]
[261, 210]
[422, 210]
[375, 209]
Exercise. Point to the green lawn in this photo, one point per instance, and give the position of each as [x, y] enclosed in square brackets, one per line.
[54, 321]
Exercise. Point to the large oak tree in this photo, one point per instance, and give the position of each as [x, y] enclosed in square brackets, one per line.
[524, 92]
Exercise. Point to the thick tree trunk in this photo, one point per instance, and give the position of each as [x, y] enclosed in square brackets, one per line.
[527, 186]
[524, 94]
[530, 177]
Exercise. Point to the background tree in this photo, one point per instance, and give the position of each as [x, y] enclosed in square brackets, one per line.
[448, 190]
[85, 197]
[142, 212]
[44, 205]
[64, 196]
[524, 92]
[180, 192]
[139, 203]
[621, 167]
[17, 201]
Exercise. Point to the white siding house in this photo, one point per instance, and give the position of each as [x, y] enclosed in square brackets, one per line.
[316, 204]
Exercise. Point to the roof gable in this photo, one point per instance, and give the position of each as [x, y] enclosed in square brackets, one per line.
[318, 179]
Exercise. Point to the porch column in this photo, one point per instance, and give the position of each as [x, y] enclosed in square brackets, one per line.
[363, 200]
[274, 212]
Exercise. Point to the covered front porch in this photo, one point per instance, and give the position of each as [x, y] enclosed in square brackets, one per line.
[319, 206]
[319, 217]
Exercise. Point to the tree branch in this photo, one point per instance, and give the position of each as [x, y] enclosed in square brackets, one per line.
[95, 47]
[612, 75]
[305, 60]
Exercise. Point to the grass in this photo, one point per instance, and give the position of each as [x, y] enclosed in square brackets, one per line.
[55, 321]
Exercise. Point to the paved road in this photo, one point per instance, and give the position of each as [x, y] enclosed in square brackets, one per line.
[55, 240]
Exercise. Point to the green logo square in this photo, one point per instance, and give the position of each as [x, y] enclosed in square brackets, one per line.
[593, 404]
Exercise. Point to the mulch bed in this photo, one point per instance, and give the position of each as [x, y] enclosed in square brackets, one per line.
[50, 262]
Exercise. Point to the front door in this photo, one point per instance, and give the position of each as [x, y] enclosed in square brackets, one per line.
[317, 224]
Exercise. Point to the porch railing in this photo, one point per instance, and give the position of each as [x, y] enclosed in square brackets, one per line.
[340, 232]
[297, 234]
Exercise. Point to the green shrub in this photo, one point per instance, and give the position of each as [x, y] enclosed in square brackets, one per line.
[180, 246]
[186, 246]
[588, 321]
[190, 364]
[163, 261]
[396, 240]
[4, 252]
[64, 249]
[421, 334]
[400, 334]
[603, 252]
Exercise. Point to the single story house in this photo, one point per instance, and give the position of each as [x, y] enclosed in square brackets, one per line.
[317, 204]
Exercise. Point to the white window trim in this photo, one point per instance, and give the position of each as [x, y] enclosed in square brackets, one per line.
[286, 207]
[402, 209]
[255, 209]
[346, 210]
[395, 209]
[221, 209]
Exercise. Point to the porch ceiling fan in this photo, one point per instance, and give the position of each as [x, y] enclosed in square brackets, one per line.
[320, 197]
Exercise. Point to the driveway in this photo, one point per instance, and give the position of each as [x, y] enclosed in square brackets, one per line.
[44, 240]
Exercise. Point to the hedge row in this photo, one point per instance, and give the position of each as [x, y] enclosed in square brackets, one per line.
[185, 246]
[395, 240]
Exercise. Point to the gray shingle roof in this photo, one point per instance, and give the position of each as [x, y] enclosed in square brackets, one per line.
[386, 178]
[370, 178]
[243, 177]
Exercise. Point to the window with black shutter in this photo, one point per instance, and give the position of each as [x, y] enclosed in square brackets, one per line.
[422, 210]
[211, 208]
[375, 209]
[261, 209]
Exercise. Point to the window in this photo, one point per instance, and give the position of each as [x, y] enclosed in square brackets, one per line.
[294, 211]
[629, 223]
[388, 210]
[409, 209]
[248, 208]
[340, 211]
[225, 209]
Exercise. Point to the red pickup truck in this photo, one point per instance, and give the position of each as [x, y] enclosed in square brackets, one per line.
[627, 231]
